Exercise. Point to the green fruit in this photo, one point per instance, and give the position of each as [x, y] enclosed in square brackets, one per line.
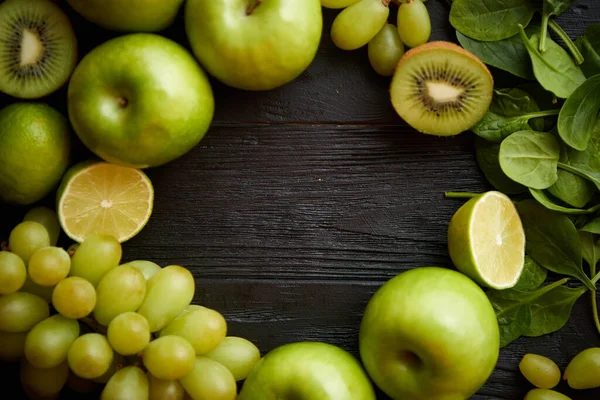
[414, 24]
[237, 354]
[128, 15]
[147, 268]
[120, 290]
[356, 25]
[34, 151]
[583, 372]
[74, 297]
[254, 45]
[429, 334]
[129, 383]
[210, 380]
[545, 394]
[43, 383]
[20, 311]
[48, 342]
[385, 50]
[160, 389]
[13, 272]
[169, 357]
[128, 333]
[140, 100]
[12, 345]
[48, 218]
[26, 238]
[49, 265]
[540, 371]
[90, 356]
[95, 256]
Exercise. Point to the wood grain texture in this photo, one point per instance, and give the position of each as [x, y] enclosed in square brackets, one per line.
[300, 202]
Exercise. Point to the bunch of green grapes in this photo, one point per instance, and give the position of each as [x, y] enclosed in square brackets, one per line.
[365, 22]
[82, 319]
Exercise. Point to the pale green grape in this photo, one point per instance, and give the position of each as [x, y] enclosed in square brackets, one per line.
[541, 371]
[48, 219]
[43, 382]
[128, 333]
[174, 283]
[117, 363]
[336, 4]
[79, 384]
[13, 272]
[202, 327]
[95, 256]
[147, 268]
[120, 290]
[74, 297]
[169, 357]
[356, 25]
[209, 380]
[545, 394]
[20, 311]
[26, 238]
[385, 50]
[90, 355]
[161, 389]
[237, 354]
[49, 265]
[583, 371]
[129, 383]
[49, 341]
[414, 24]
[45, 292]
[12, 345]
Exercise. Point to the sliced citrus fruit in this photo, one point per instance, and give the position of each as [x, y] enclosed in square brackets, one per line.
[104, 198]
[486, 240]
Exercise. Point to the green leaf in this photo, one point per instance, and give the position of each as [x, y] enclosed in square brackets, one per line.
[530, 158]
[592, 226]
[589, 45]
[552, 8]
[554, 69]
[579, 115]
[532, 277]
[572, 189]
[552, 240]
[491, 20]
[494, 127]
[514, 102]
[544, 200]
[487, 159]
[551, 311]
[590, 248]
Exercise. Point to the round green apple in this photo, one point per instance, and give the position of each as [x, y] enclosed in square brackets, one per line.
[254, 44]
[307, 371]
[128, 15]
[140, 100]
[429, 334]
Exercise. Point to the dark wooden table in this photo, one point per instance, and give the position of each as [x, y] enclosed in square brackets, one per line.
[302, 201]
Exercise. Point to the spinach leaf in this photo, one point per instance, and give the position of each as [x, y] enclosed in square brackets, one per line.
[552, 240]
[532, 277]
[589, 45]
[495, 127]
[592, 226]
[544, 200]
[490, 20]
[530, 158]
[487, 158]
[554, 69]
[592, 176]
[579, 115]
[572, 189]
[551, 311]
[585, 164]
[549, 9]
[514, 102]
[591, 250]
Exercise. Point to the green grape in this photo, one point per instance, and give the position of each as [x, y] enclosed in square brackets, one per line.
[147, 268]
[43, 382]
[49, 265]
[27, 238]
[129, 383]
[79, 384]
[414, 24]
[174, 283]
[45, 292]
[336, 4]
[202, 327]
[48, 219]
[48, 342]
[13, 272]
[545, 394]
[95, 256]
[209, 380]
[169, 357]
[19, 311]
[541, 371]
[583, 371]
[237, 354]
[161, 389]
[117, 363]
[120, 290]
[74, 297]
[356, 25]
[90, 356]
[385, 50]
[12, 345]
[128, 333]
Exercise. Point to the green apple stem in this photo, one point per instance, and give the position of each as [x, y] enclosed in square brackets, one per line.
[252, 7]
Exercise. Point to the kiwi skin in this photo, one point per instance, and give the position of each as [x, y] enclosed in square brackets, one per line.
[431, 48]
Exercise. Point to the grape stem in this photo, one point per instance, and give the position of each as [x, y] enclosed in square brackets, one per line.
[252, 7]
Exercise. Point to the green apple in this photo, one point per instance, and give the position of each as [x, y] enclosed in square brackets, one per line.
[307, 371]
[254, 44]
[128, 15]
[140, 100]
[429, 334]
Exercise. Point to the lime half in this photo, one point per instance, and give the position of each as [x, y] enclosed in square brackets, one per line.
[486, 240]
[104, 198]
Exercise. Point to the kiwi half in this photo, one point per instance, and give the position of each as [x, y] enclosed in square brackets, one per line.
[441, 89]
[38, 49]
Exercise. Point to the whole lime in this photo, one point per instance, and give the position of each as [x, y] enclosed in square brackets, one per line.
[34, 151]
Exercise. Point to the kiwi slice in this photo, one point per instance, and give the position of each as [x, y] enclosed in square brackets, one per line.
[441, 89]
[38, 49]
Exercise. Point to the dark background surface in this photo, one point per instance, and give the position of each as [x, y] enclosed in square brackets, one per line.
[302, 201]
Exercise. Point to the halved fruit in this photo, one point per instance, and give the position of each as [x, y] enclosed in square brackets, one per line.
[441, 89]
[104, 198]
